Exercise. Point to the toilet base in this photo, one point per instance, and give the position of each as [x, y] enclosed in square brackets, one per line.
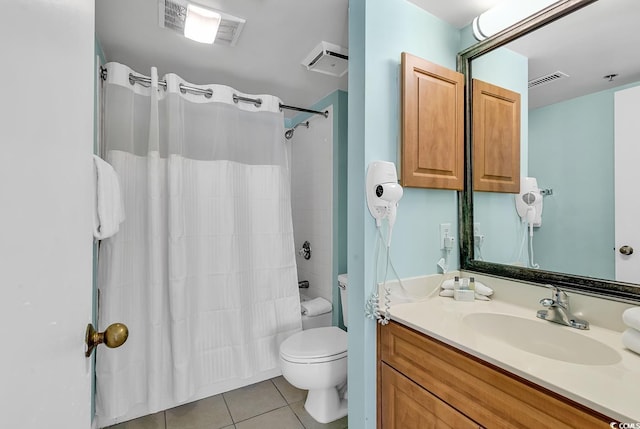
[325, 405]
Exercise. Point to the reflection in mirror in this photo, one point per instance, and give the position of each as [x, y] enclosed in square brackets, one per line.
[563, 73]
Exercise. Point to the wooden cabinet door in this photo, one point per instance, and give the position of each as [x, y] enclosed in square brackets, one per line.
[432, 147]
[496, 138]
[486, 395]
[405, 405]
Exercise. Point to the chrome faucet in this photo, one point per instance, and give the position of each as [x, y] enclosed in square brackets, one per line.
[558, 310]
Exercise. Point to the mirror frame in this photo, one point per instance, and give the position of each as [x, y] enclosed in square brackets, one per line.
[605, 288]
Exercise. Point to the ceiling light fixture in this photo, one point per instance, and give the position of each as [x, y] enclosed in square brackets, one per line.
[504, 15]
[201, 24]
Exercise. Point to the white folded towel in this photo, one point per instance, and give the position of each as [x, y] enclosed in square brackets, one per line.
[449, 293]
[315, 306]
[482, 297]
[481, 288]
[631, 317]
[109, 208]
[631, 340]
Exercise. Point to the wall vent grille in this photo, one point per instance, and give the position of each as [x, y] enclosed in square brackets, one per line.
[551, 77]
[172, 13]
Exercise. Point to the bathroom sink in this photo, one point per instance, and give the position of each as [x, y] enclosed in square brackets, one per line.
[542, 338]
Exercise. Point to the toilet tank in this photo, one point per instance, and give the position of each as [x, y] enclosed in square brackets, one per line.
[343, 279]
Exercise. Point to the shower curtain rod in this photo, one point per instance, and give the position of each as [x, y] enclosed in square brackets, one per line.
[146, 81]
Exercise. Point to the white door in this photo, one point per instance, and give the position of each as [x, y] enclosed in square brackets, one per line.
[627, 178]
[46, 142]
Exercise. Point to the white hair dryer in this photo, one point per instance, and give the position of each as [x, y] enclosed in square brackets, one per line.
[529, 208]
[383, 193]
[529, 202]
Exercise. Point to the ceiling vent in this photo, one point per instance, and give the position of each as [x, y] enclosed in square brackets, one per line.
[329, 59]
[172, 13]
[543, 80]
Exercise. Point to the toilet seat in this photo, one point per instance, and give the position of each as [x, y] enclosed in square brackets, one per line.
[315, 346]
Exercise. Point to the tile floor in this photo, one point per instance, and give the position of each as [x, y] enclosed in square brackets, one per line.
[271, 404]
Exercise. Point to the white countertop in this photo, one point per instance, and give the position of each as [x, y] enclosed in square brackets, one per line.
[612, 389]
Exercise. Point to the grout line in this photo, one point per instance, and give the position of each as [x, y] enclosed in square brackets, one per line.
[281, 394]
[228, 410]
[288, 404]
[297, 417]
[261, 414]
[164, 414]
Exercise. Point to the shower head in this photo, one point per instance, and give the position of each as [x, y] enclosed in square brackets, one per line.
[289, 133]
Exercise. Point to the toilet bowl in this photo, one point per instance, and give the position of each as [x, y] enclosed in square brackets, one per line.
[316, 360]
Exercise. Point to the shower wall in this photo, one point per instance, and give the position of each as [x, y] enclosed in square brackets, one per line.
[312, 201]
[319, 197]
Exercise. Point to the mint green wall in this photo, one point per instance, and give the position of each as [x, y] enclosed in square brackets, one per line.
[572, 152]
[496, 212]
[466, 38]
[361, 399]
[339, 101]
[99, 60]
[378, 33]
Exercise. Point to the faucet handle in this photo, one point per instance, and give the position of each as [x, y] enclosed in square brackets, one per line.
[559, 296]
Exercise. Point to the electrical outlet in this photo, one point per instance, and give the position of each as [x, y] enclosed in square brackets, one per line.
[445, 232]
[476, 228]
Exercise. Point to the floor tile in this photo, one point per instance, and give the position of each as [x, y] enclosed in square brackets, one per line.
[310, 423]
[208, 413]
[152, 421]
[291, 393]
[282, 418]
[253, 400]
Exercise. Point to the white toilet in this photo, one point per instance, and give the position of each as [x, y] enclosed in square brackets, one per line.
[315, 359]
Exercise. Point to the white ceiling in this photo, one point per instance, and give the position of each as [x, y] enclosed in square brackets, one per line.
[279, 34]
[595, 41]
[458, 13]
[598, 40]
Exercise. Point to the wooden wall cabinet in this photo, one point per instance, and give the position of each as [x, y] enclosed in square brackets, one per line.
[496, 138]
[424, 383]
[432, 147]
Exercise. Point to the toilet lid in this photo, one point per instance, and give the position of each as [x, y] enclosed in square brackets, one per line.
[318, 344]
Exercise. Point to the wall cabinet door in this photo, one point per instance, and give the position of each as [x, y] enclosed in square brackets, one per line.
[496, 138]
[432, 148]
[409, 406]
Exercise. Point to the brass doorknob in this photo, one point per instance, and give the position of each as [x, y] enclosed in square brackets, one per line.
[626, 250]
[114, 336]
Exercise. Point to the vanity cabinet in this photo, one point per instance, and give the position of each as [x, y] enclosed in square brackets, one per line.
[496, 138]
[425, 383]
[432, 147]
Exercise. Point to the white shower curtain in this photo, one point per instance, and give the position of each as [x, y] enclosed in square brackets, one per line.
[203, 269]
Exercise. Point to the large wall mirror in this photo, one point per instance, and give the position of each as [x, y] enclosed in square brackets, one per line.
[561, 62]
